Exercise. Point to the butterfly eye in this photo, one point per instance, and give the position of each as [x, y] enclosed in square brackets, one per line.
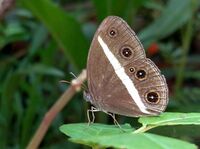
[152, 97]
[141, 74]
[112, 32]
[126, 52]
[132, 69]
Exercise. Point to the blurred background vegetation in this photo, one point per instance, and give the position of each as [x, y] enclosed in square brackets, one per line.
[41, 42]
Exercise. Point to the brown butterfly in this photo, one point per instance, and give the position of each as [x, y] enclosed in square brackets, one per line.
[121, 80]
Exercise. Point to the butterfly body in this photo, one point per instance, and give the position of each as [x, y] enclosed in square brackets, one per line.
[121, 79]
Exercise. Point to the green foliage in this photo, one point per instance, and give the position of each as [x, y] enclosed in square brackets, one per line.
[124, 9]
[64, 28]
[167, 23]
[103, 136]
[41, 42]
[168, 118]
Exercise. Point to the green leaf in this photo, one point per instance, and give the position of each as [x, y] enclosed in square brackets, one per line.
[63, 27]
[124, 9]
[12, 32]
[178, 131]
[9, 87]
[39, 37]
[42, 69]
[75, 130]
[105, 8]
[168, 118]
[193, 74]
[154, 5]
[168, 22]
[111, 136]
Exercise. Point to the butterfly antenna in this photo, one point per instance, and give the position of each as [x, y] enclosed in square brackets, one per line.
[65, 81]
[83, 86]
[73, 75]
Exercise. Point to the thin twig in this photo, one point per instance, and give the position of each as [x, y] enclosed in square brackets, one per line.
[55, 109]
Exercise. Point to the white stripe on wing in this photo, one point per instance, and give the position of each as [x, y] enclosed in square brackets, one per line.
[119, 70]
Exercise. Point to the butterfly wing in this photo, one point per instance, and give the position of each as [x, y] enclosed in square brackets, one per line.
[115, 57]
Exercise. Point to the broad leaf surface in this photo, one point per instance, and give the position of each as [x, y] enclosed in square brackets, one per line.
[111, 136]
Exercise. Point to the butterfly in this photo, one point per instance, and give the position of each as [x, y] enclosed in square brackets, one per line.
[121, 80]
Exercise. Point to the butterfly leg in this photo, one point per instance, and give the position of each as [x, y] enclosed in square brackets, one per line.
[114, 119]
[92, 110]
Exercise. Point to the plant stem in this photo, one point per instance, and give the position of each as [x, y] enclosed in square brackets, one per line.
[55, 109]
[143, 129]
[98, 147]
